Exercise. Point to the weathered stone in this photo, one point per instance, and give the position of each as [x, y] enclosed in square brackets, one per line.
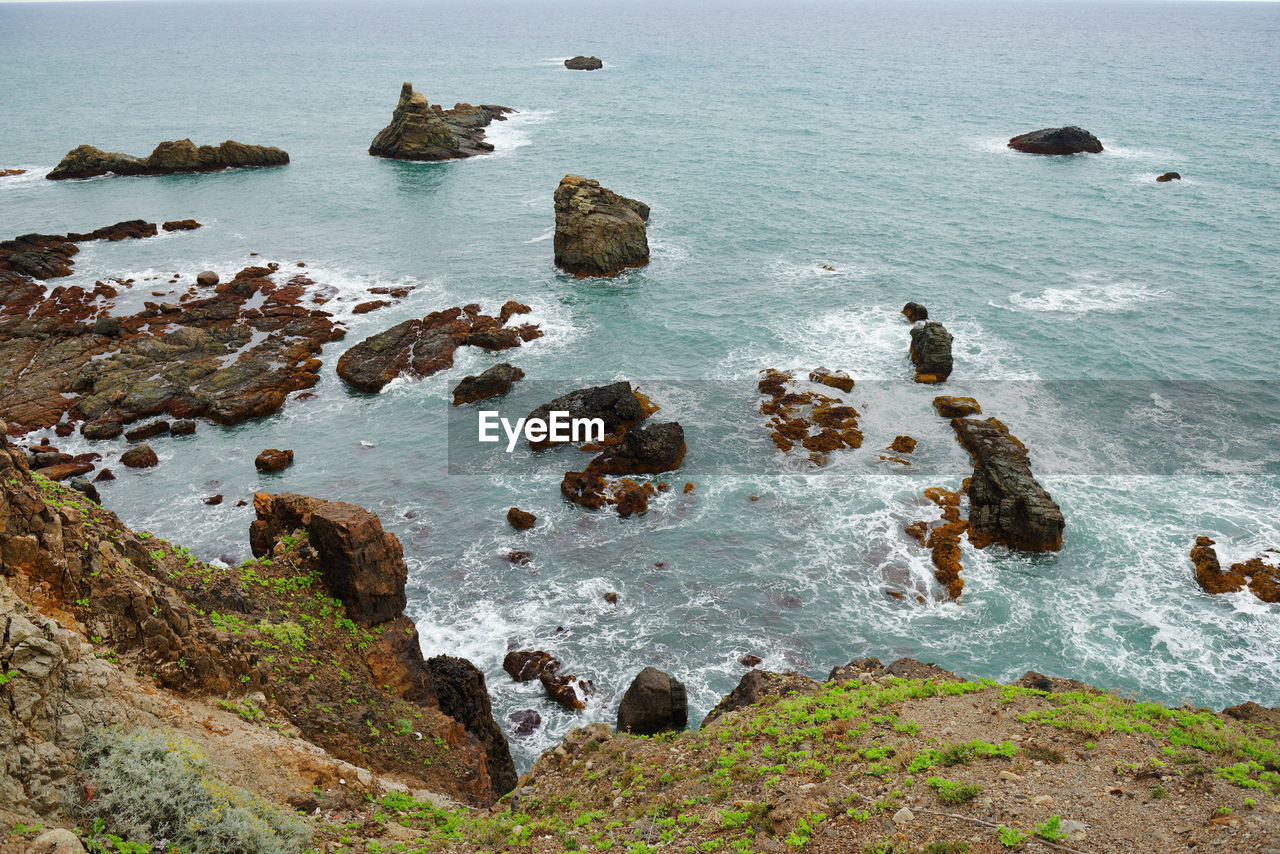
[1168, 176]
[915, 312]
[956, 407]
[206, 278]
[643, 450]
[525, 665]
[419, 131]
[598, 232]
[584, 63]
[655, 702]
[615, 404]
[147, 431]
[835, 379]
[1063, 140]
[140, 457]
[461, 692]
[273, 459]
[520, 520]
[181, 225]
[757, 685]
[495, 381]
[168, 158]
[931, 352]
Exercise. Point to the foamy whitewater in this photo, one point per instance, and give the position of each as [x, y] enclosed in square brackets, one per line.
[772, 141]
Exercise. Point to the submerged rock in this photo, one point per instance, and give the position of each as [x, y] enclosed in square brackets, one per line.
[584, 63]
[655, 702]
[1064, 140]
[168, 158]
[1007, 504]
[1168, 176]
[931, 352]
[598, 232]
[420, 131]
[495, 381]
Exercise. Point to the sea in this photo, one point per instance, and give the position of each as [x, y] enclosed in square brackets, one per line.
[811, 167]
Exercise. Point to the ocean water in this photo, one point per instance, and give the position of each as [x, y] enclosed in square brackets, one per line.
[770, 140]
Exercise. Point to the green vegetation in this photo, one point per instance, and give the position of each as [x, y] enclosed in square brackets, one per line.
[953, 793]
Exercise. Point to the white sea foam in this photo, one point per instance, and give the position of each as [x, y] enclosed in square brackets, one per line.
[1096, 293]
[34, 176]
[546, 235]
[514, 132]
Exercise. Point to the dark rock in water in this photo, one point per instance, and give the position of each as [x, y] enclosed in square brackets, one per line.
[461, 692]
[103, 476]
[1007, 504]
[420, 348]
[419, 131]
[598, 232]
[87, 489]
[525, 721]
[584, 488]
[184, 427]
[956, 407]
[493, 382]
[584, 63]
[656, 702]
[63, 429]
[615, 404]
[371, 305]
[914, 312]
[181, 225]
[140, 457]
[566, 689]
[9, 173]
[147, 431]
[519, 557]
[931, 352]
[755, 686]
[525, 666]
[273, 459]
[1064, 140]
[1168, 176]
[643, 450]
[750, 660]
[520, 520]
[168, 158]
[833, 379]
[214, 500]
[207, 279]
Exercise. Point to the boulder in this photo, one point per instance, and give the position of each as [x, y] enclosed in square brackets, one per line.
[181, 225]
[931, 352]
[1064, 140]
[9, 173]
[1168, 176]
[656, 702]
[956, 407]
[566, 689]
[616, 404]
[183, 427]
[1007, 504]
[493, 382]
[598, 232]
[1261, 576]
[643, 450]
[419, 131]
[86, 488]
[524, 721]
[834, 379]
[583, 63]
[273, 460]
[461, 692]
[63, 470]
[371, 305]
[56, 841]
[903, 444]
[107, 326]
[525, 665]
[206, 278]
[139, 457]
[147, 431]
[520, 520]
[757, 685]
[915, 312]
[168, 158]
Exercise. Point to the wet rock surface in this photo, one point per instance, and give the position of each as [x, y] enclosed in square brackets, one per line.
[168, 158]
[618, 405]
[1063, 140]
[598, 232]
[931, 352]
[520, 520]
[420, 348]
[495, 381]
[1261, 574]
[421, 131]
[808, 420]
[273, 459]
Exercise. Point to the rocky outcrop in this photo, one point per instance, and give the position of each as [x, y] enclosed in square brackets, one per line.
[650, 449]
[1064, 140]
[273, 459]
[755, 686]
[493, 382]
[834, 379]
[618, 405]
[1167, 177]
[942, 539]
[956, 407]
[419, 348]
[181, 225]
[902, 668]
[228, 356]
[931, 352]
[598, 232]
[168, 158]
[420, 131]
[1260, 574]
[583, 63]
[914, 312]
[655, 702]
[816, 422]
[463, 696]
[1007, 505]
[520, 520]
[10, 173]
[564, 688]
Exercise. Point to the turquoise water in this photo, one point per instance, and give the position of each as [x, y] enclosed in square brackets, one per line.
[770, 140]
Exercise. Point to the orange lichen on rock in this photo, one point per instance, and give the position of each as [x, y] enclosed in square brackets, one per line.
[828, 424]
[1262, 578]
[956, 407]
[902, 444]
[942, 538]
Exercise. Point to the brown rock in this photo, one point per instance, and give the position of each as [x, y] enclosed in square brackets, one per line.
[63, 471]
[147, 431]
[757, 685]
[181, 225]
[750, 660]
[168, 158]
[371, 305]
[956, 407]
[525, 666]
[915, 312]
[495, 381]
[598, 232]
[213, 500]
[273, 460]
[419, 131]
[139, 457]
[207, 278]
[834, 379]
[520, 520]
[903, 444]
[655, 702]
[1168, 176]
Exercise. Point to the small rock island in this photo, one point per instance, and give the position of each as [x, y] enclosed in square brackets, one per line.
[420, 131]
[169, 158]
[598, 232]
[1065, 140]
[584, 63]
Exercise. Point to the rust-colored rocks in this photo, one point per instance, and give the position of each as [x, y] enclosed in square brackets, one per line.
[1260, 574]
[903, 445]
[1007, 504]
[181, 225]
[420, 348]
[495, 381]
[814, 421]
[931, 352]
[564, 688]
[10, 173]
[525, 665]
[140, 457]
[510, 308]
[64, 470]
[461, 692]
[914, 312]
[956, 407]
[273, 459]
[147, 431]
[421, 131]
[371, 305]
[598, 232]
[521, 520]
[835, 379]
